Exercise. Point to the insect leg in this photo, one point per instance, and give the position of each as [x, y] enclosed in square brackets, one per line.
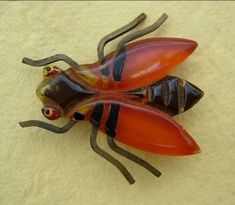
[108, 157]
[142, 32]
[117, 33]
[47, 126]
[119, 62]
[51, 59]
[132, 157]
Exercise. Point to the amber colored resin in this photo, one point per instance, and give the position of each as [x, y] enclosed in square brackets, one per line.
[129, 95]
[138, 125]
[159, 133]
[145, 128]
[146, 62]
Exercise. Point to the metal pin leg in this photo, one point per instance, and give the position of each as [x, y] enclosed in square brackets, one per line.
[108, 157]
[47, 126]
[132, 157]
[142, 32]
[117, 33]
[51, 59]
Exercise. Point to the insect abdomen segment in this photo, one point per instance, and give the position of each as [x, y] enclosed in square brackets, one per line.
[173, 95]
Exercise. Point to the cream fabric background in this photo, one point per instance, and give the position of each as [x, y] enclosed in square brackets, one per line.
[38, 167]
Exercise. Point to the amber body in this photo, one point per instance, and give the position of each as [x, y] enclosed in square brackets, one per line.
[134, 83]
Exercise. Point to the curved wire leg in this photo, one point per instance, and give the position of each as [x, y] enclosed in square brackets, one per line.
[108, 157]
[117, 33]
[142, 32]
[51, 59]
[47, 126]
[132, 157]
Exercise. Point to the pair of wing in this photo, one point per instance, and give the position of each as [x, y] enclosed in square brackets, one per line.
[141, 126]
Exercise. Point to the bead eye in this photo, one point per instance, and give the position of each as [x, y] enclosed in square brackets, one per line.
[50, 113]
[50, 71]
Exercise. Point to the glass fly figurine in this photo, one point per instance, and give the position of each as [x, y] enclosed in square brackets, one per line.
[126, 94]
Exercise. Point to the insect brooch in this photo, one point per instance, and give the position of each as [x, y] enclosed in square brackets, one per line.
[126, 94]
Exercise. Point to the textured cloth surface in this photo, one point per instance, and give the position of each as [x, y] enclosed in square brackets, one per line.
[38, 167]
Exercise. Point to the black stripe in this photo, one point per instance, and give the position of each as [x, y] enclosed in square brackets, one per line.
[97, 114]
[118, 65]
[111, 122]
[105, 71]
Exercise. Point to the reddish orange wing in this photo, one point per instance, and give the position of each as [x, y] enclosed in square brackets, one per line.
[143, 63]
[150, 130]
[146, 128]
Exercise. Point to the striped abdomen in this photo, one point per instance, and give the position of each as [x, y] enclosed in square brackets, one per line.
[173, 95]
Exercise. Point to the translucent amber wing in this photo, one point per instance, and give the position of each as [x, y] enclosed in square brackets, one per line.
[149, 60]
[150, 130]
[146, 128]
[143, 63]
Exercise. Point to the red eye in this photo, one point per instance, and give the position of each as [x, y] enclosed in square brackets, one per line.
[50, 113]
[50, 71]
